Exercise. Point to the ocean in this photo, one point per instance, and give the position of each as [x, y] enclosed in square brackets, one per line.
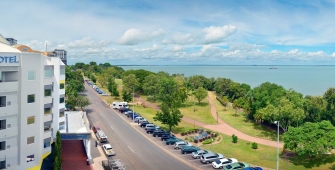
[308, 80]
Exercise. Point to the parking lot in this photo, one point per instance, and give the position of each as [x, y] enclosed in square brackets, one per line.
[170, 148]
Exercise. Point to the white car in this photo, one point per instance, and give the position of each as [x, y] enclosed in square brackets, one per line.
[108, 150]
[140, 119]
[223, 162]
[180, 144]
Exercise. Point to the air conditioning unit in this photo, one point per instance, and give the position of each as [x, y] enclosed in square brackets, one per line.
[9, 125]
[8, 146]
[9, 103]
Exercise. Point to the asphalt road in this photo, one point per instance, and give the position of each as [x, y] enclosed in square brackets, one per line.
[131, 147]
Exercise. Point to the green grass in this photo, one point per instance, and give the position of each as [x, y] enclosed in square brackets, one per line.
[149, 113]
[240, 122]
[265, 156]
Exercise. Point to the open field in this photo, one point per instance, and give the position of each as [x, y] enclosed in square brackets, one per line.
[239, 122]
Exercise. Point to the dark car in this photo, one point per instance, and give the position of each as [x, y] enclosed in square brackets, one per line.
[189, 149]
[172, 141]
[253, 168]
[130, 115]
[124, 109]
[144, 123]
[158, 133]
[166, 136]
[150, 129]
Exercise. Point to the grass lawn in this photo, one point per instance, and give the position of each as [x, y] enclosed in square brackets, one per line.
[239, 122]
[149, 113]
[266, 156]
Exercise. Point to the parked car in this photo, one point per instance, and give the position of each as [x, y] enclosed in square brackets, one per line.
[149, 125]
[189, 149]
[210, 157]
[253, 168]
[124, 109]
[139, 119]
[144, 123]
[219, 164]
[108, 150]
[158, 133]
[237, 165]
[104, 94]
[166, 136]
[180, 144]
[150, 129]
[172, 141]
[95, 129]
[199, 153]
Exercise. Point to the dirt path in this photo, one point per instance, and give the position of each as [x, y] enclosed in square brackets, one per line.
[222, 127]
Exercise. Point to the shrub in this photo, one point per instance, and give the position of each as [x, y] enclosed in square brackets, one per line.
[219, 138]
[254, 145]
[208, 141]
[235, 138]
[186, 138]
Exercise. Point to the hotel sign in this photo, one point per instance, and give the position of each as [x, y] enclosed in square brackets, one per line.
[73, 136]
[8, 59]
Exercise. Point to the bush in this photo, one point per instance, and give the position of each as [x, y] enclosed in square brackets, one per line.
[254, 145]
[186, 138]
[235, 138]
[208, 141]
[219, 138]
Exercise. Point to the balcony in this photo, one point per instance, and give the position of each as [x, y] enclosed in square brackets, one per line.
[9, 110]
[9, 86]
[47, 134]
[47, 99]
[47, 117]
[9, 132]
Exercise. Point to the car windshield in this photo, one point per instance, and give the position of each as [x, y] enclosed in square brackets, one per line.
[217, 161]
[228, 167]
[109, 148]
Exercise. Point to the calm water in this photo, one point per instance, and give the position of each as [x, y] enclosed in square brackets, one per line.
[308, 80]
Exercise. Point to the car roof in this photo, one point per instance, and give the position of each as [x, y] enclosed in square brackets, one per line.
[107, 145]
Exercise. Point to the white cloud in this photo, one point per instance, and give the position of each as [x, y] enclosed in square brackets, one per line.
[217, 34]
[275, 52]
[177, 48]
[136, 36]
[318, 53]
[295, 51]
[87, 42]
[333, 55]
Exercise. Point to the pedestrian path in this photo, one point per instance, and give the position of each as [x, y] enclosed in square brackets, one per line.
[97, 161]
[221, 127]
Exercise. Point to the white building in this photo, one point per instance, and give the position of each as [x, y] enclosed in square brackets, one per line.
[32, 104]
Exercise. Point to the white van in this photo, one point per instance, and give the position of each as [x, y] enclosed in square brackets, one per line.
[118, 105]
[101, 136]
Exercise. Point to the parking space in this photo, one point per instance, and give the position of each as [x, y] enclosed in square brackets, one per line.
[170, 148]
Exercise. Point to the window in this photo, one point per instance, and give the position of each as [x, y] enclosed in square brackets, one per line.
[31, 75]
[3, 164]
[30, 140]
[2, 124]
[62, 71]
[46, 142]
[2, 145]
[47, 111]
[61, 86]
[30, 158]
[31, 120]
[47, 92]
[61, 114]
[61, 100]
[61, 125]
[31, 98]
[48, 73]
[2, 101]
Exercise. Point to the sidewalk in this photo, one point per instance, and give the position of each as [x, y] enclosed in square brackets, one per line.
[98, 160]
[222, 127]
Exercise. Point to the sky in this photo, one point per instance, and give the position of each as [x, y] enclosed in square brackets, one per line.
[177, 32]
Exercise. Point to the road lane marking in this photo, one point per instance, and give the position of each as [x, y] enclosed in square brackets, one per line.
[131, 149]
[101, 114]
[111, 127]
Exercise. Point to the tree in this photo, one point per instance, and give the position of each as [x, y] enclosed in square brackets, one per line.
[151, 84]
[58, 152]
[82, 101]
[170, 116]
[170, 94]
[200, 94]
[129, 82]
[126, 96]
[311, 139]
[102, 79]
[112, 87]
[237, 104]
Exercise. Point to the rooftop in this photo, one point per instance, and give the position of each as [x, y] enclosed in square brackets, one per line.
[76, 122]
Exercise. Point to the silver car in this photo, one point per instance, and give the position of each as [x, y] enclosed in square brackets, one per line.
[180, 144]
[210, 157]
[199, 153]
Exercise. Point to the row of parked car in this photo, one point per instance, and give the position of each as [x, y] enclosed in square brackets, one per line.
[96, 88]
[205, 156]
[102, 138]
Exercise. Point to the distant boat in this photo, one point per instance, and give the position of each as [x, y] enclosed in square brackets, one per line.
[273, 67]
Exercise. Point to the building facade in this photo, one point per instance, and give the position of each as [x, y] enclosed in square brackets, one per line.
[32, 103]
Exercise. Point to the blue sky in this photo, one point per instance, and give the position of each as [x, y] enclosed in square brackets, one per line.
[177, 32]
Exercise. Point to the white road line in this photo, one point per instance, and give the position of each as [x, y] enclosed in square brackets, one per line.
[111, 127]
[101, 114]
[131, 149]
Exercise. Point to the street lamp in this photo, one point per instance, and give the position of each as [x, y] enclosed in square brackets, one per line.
[133, 103]
[277, 123]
